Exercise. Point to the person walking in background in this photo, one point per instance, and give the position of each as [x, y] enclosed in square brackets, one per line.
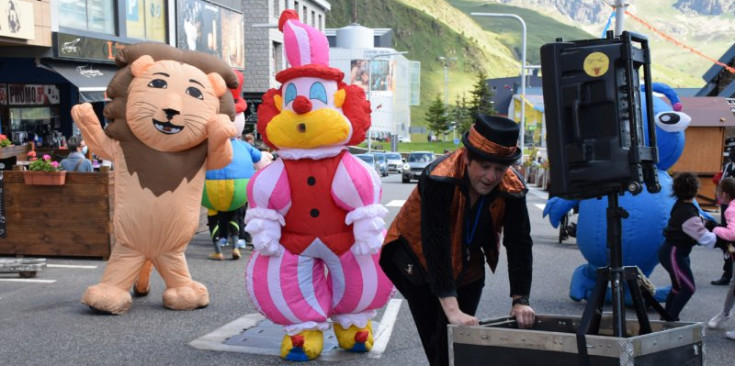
[727, 171]
[684, 230]
[726, 195]
[225, 190]
[436, 248]
[77, 160]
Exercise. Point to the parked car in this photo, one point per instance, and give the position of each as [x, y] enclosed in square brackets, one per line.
[382, 164]
[395, 162]
[404, 138]
[370, 159]
[415, 164]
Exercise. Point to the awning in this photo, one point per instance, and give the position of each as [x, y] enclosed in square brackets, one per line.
[91, 79]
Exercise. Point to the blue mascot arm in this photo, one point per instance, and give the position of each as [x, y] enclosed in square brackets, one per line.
[703, 213]
[556, 208]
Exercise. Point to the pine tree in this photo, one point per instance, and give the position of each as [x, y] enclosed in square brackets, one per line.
[462, 115]
[436, 117]
[481, 97]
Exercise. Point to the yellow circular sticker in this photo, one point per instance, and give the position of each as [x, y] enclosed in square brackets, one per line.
[596, 64]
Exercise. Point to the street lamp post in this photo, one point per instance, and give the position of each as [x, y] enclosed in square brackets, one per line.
[446, 61]
[523, 65]
[370, 87]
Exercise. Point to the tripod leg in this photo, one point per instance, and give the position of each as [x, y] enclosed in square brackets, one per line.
[631, 278]
[590, 322]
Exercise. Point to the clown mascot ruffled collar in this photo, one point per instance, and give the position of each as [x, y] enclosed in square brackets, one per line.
[314, 215]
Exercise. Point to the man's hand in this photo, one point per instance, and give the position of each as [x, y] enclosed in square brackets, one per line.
[454, 314]
[524, 314]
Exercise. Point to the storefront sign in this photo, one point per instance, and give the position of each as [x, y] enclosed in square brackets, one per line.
[16, 19]
[3, 94]
[31, 94]
[87, 48]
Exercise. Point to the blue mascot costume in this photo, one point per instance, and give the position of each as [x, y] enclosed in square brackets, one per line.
[649, 213]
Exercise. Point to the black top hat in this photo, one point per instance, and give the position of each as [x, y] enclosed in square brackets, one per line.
[494, 138]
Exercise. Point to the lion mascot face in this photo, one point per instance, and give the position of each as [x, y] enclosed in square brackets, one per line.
[171, 103]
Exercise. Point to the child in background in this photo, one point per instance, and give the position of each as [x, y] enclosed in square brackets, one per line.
[726, 196]
[685, 229]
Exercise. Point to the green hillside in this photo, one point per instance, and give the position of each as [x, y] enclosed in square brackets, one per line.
[425, 38]
[544, 29]
[428, 29]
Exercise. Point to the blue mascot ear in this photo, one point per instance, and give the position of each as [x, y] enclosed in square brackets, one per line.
[139, 66]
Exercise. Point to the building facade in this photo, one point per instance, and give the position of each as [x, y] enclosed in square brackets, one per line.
[68, 56]
[367, 60]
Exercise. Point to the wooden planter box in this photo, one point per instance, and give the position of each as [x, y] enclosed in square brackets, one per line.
[74, 219]
[19, 151]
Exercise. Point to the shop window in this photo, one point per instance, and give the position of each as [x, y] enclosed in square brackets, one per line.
[90, 15]
[146, 19]
[319, 23]
[313, 18]
[304, 15]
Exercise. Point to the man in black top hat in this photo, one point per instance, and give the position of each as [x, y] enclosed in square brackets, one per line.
[464, 201]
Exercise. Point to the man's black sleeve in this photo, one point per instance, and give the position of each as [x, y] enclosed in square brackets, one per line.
[436, 200]
[518, 243]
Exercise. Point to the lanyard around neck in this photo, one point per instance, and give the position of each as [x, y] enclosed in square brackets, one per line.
[469, 234]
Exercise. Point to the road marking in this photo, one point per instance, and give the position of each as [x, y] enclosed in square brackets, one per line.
[540, 206]
[70, 266]
[25, 280]
[538, 193]
[385, 329]
[395, 203]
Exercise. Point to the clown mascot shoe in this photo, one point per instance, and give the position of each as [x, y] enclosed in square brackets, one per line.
[314, 214]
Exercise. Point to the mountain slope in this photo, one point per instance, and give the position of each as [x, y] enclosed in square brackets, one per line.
[705, 25]
[426, 38]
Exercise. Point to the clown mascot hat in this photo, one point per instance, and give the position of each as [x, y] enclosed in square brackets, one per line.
[314, 215]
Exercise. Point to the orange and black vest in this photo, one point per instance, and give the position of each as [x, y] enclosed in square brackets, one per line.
[452, 168]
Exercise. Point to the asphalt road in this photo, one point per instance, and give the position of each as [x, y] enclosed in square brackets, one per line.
[42, 322]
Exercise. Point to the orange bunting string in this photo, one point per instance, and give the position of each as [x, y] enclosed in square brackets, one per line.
[678, 43]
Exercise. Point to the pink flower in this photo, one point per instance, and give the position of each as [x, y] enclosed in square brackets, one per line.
[47, 157]
[32, 154]
[54, 164]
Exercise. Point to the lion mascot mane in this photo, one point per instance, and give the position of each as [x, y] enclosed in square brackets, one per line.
[170, 118]
[315, 214]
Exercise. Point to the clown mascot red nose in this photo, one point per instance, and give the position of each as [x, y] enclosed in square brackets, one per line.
[316, 208]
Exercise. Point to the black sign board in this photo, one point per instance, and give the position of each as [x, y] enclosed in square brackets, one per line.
[74, 46]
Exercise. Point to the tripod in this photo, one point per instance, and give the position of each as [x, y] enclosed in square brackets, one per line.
[617, 275]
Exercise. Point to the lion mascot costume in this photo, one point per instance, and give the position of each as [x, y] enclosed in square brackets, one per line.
[170, 115]
[314, 214]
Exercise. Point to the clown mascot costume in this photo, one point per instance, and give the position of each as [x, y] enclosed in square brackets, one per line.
[316, 208]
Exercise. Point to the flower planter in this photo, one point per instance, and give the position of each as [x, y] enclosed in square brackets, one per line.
[40, 178]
